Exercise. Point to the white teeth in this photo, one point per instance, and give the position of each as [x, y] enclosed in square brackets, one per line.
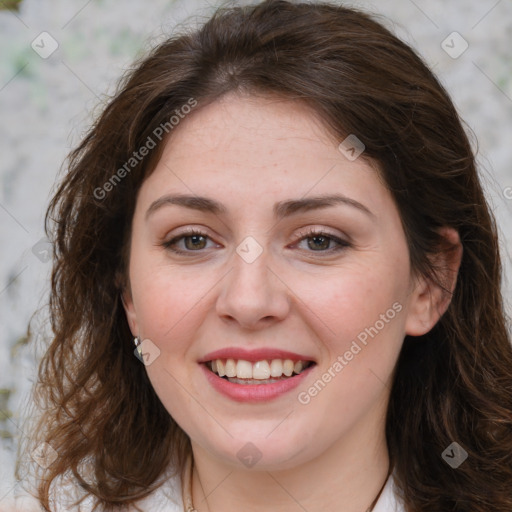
[253, 381]
[230, 368]
[243, 369]
[260, 370]
[276, 368]
[297, 368]
[288, 367]
[220, 368]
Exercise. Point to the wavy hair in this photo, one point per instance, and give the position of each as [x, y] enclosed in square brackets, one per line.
[453, 384]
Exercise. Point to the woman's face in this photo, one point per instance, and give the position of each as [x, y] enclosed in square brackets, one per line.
[273, 273]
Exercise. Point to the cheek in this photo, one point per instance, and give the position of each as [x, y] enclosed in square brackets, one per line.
[168, 301]
[353, 300]
[362, 333]
[358, 315]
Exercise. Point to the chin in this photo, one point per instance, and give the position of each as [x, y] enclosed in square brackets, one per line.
[261, 449]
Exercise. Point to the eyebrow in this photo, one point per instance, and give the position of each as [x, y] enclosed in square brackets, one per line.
[281, 209]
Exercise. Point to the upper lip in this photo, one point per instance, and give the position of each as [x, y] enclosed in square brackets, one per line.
[254, 355]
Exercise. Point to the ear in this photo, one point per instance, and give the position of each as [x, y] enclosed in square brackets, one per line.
[430, 300]
[129, 308]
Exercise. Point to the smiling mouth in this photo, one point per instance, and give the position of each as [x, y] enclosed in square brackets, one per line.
[240, 371]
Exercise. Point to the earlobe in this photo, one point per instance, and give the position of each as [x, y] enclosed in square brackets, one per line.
[129, 308]
[430, 299]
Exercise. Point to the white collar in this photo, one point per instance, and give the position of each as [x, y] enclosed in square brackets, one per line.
[388, 500]
[172, 496]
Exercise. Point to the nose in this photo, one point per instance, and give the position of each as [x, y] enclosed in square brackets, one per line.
[252, 294]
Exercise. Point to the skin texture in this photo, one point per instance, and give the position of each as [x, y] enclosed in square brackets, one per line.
[249, 153]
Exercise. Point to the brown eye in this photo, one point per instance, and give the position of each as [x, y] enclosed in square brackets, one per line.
[321, 241]
[196, 242]
[193, 241]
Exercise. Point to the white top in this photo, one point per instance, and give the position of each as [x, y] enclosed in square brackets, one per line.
[388, 500]
[171, 493]
[170, 497]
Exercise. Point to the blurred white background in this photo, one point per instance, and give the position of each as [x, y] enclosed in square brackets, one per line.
[48, 101]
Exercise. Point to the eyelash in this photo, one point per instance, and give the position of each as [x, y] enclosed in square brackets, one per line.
[342, 244]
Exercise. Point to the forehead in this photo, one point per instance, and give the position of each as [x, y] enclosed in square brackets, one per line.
[244, 149]
[236, 123]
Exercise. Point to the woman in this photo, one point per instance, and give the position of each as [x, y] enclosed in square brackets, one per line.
[276, 284]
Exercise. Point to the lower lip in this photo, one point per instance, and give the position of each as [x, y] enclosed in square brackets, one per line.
[254, 392]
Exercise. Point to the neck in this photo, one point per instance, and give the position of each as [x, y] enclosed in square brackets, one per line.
[348, 476]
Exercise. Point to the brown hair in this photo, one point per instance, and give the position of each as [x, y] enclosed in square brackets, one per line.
[453, 384]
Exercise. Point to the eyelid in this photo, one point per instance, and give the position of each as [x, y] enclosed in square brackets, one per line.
[311, 232]
[187, 232]
[317, 231]
[302, 235]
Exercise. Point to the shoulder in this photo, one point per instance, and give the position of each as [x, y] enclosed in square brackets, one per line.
[65, 491]
[389, 501]
[167, 498]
